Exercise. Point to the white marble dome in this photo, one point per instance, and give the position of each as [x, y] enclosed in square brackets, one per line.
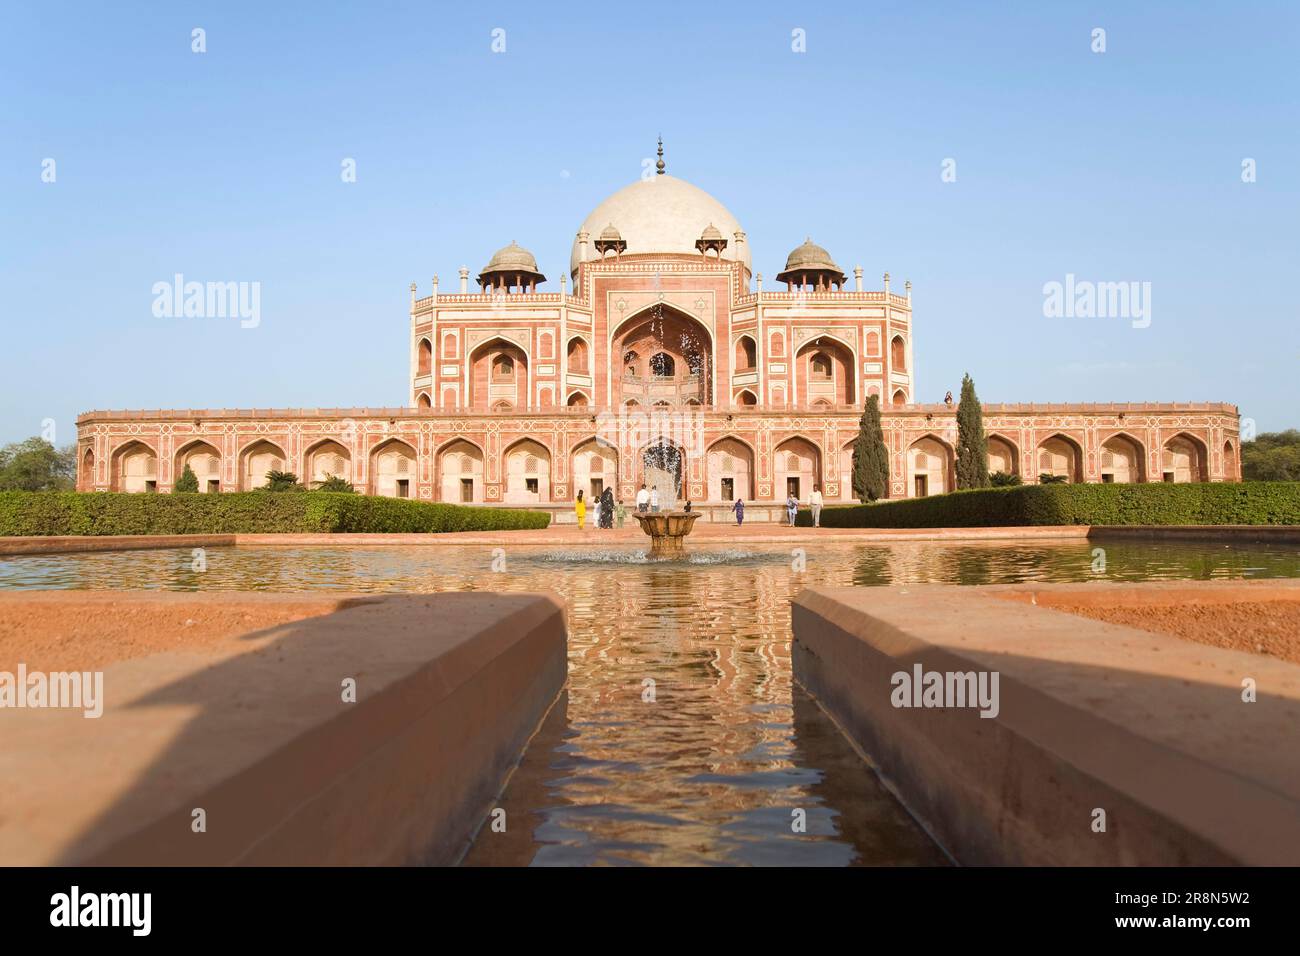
[660, 214]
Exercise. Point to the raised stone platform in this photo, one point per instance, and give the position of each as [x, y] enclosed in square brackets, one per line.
[1150, 729]
[234, 704]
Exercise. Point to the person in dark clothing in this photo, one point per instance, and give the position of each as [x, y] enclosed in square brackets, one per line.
[607, 508]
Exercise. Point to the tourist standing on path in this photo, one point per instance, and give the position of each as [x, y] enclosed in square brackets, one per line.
[791, 507]
[643, 499]
[620, 513]
[654, 499]
[816, 502]
[580, 509]
[607, 509]
[739, 509]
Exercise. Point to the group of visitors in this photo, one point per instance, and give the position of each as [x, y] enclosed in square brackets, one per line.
[605, 511]
[608, 513]
[814, 503]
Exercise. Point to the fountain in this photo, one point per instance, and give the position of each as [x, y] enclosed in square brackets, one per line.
[667, 530]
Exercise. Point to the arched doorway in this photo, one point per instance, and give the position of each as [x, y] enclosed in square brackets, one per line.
[528, 473]
[825, 373]
[205, 461]
[929, 468]
[662, 467]
[1002, 456]
[797, 466]
[257, 461]
[325, 460]
[1060, 457]
[667, 356]
[134, 468]
[393, 470]
[1122, 460]
[1183, 459]
[595, 468]
[498, 372]
[460, 465]
[731, 470]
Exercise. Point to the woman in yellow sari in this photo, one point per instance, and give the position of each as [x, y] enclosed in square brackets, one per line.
[580, 509]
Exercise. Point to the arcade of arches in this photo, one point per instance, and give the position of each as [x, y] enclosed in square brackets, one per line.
[725, 467]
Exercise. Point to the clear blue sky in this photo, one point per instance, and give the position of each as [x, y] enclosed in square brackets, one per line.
[225, 166]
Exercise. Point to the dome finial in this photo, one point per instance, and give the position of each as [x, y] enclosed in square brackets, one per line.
[659, 166]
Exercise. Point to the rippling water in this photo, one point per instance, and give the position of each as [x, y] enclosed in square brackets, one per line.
[716, 767]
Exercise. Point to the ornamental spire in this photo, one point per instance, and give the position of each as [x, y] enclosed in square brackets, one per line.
[659, 166]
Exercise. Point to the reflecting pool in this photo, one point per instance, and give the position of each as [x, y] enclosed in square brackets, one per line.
[682, 738]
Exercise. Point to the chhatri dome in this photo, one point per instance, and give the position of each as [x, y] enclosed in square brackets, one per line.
[511, 265]
[661, 214]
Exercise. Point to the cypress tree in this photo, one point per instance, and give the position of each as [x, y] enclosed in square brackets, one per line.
[870, 456]
[972, 445]
[188, 481]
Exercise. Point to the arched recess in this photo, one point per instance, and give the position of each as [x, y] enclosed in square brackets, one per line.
[256, 461]
[424, 362]
[1183, 459]
[134, 468]
[746, 354]
[86, 471]
[204, 460]
[498, 371]
[579, 355]
[594, 467]
[324, 460]
[873, 344]
[846, 470]
[899, 398]
[393, 469]
[460, 471]
[528, 473]
[1229, 462]
[1004, 455]
[577, 400]
[897, 354]
[667, 354]
[746, 399]
[1060, 456]
[826, 372]
[730, 464]
[424, 402]
[797, 466]
[929, 467]
[1123, 459]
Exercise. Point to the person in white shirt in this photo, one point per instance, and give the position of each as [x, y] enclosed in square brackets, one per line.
[816, 502]
[654, 499]
[642, 499]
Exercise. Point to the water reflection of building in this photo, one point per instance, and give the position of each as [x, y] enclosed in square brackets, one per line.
[665, 317]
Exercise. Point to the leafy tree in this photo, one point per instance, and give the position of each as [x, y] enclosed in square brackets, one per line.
[188, 481]
[1272, 456]
[35, 465]
[870, 455]
[282, 481]
[336, 484]
[1000, 479]
[972, 445]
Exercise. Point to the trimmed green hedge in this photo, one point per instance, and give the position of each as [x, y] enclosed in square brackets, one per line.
[252, 512]
[1251, 502]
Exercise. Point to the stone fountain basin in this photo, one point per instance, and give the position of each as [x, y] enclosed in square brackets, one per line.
[667, 529]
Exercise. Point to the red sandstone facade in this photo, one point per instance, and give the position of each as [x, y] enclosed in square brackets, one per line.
[525, 398]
